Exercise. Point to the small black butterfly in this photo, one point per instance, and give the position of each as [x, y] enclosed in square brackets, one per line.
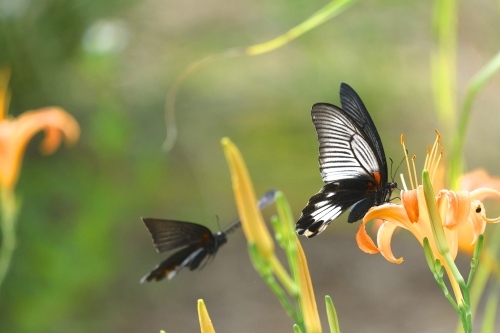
[194, 242]
[351, 161]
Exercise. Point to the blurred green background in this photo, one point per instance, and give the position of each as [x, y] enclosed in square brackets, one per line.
[81, 245]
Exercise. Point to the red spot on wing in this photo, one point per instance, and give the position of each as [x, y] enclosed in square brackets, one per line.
[373, 187]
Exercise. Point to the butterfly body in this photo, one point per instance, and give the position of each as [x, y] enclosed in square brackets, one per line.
[352, 164]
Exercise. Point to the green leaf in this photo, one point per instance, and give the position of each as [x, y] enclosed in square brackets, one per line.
[331, 314]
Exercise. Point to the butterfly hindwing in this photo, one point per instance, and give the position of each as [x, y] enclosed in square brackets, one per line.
[331, 201]
[177, 261]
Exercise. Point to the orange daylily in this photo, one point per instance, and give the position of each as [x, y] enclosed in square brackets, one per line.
[460, 212]
[15, 133]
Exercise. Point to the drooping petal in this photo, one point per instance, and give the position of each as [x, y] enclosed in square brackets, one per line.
[16, 133]
[486, 193]
[384, 237]
[389, 212]
[56, 123]
[364, 241]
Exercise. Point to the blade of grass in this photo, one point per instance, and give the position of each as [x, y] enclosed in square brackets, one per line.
[475, 85]
[443, 60]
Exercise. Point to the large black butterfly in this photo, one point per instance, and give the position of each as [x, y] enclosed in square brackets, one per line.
[194, 242]
[351, 161]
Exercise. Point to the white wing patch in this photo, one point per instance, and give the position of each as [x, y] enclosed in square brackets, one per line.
[344, 153]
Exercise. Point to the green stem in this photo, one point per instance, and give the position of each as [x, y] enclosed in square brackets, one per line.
[462, 295]
[475, 85]
[437, 271]
[475, 259]
[9, 216]
[263, 267]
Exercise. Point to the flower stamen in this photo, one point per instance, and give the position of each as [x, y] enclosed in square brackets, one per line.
[405, 151]
[433, 157]
[413, 158]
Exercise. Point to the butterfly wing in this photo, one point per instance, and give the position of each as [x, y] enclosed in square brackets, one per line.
[190, 256]
[344, 152]
[354, 107]
[170, 234]
[352, 163]
[331, 201]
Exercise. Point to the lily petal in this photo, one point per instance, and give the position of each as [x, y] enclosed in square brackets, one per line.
[16, 133]
[364, 241]
[458, 206]
[410, 202]
[384, 237]
[396, 214]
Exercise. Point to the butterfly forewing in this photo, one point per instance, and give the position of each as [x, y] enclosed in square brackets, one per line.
[354, 107]
[170, 234]
[343, 151]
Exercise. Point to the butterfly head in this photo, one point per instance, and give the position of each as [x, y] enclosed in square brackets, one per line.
[220, 238]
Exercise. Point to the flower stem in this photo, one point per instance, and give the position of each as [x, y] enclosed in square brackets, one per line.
[437, 271]
[9, 216]
[475, 259]
[457, 281]
[263, 268]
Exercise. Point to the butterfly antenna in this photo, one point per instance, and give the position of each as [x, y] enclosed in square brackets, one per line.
[218, 221]
[393, 175]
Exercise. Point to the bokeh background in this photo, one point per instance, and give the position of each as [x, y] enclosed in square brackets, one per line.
[81, 245]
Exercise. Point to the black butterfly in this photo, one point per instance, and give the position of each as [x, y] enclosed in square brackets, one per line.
[194, 242]
[352, 164]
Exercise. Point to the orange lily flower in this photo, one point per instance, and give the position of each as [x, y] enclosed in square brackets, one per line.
[15, 133]
[460, 212]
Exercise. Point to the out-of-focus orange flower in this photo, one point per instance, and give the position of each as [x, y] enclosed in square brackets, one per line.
[15, 133]
[473, 180]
